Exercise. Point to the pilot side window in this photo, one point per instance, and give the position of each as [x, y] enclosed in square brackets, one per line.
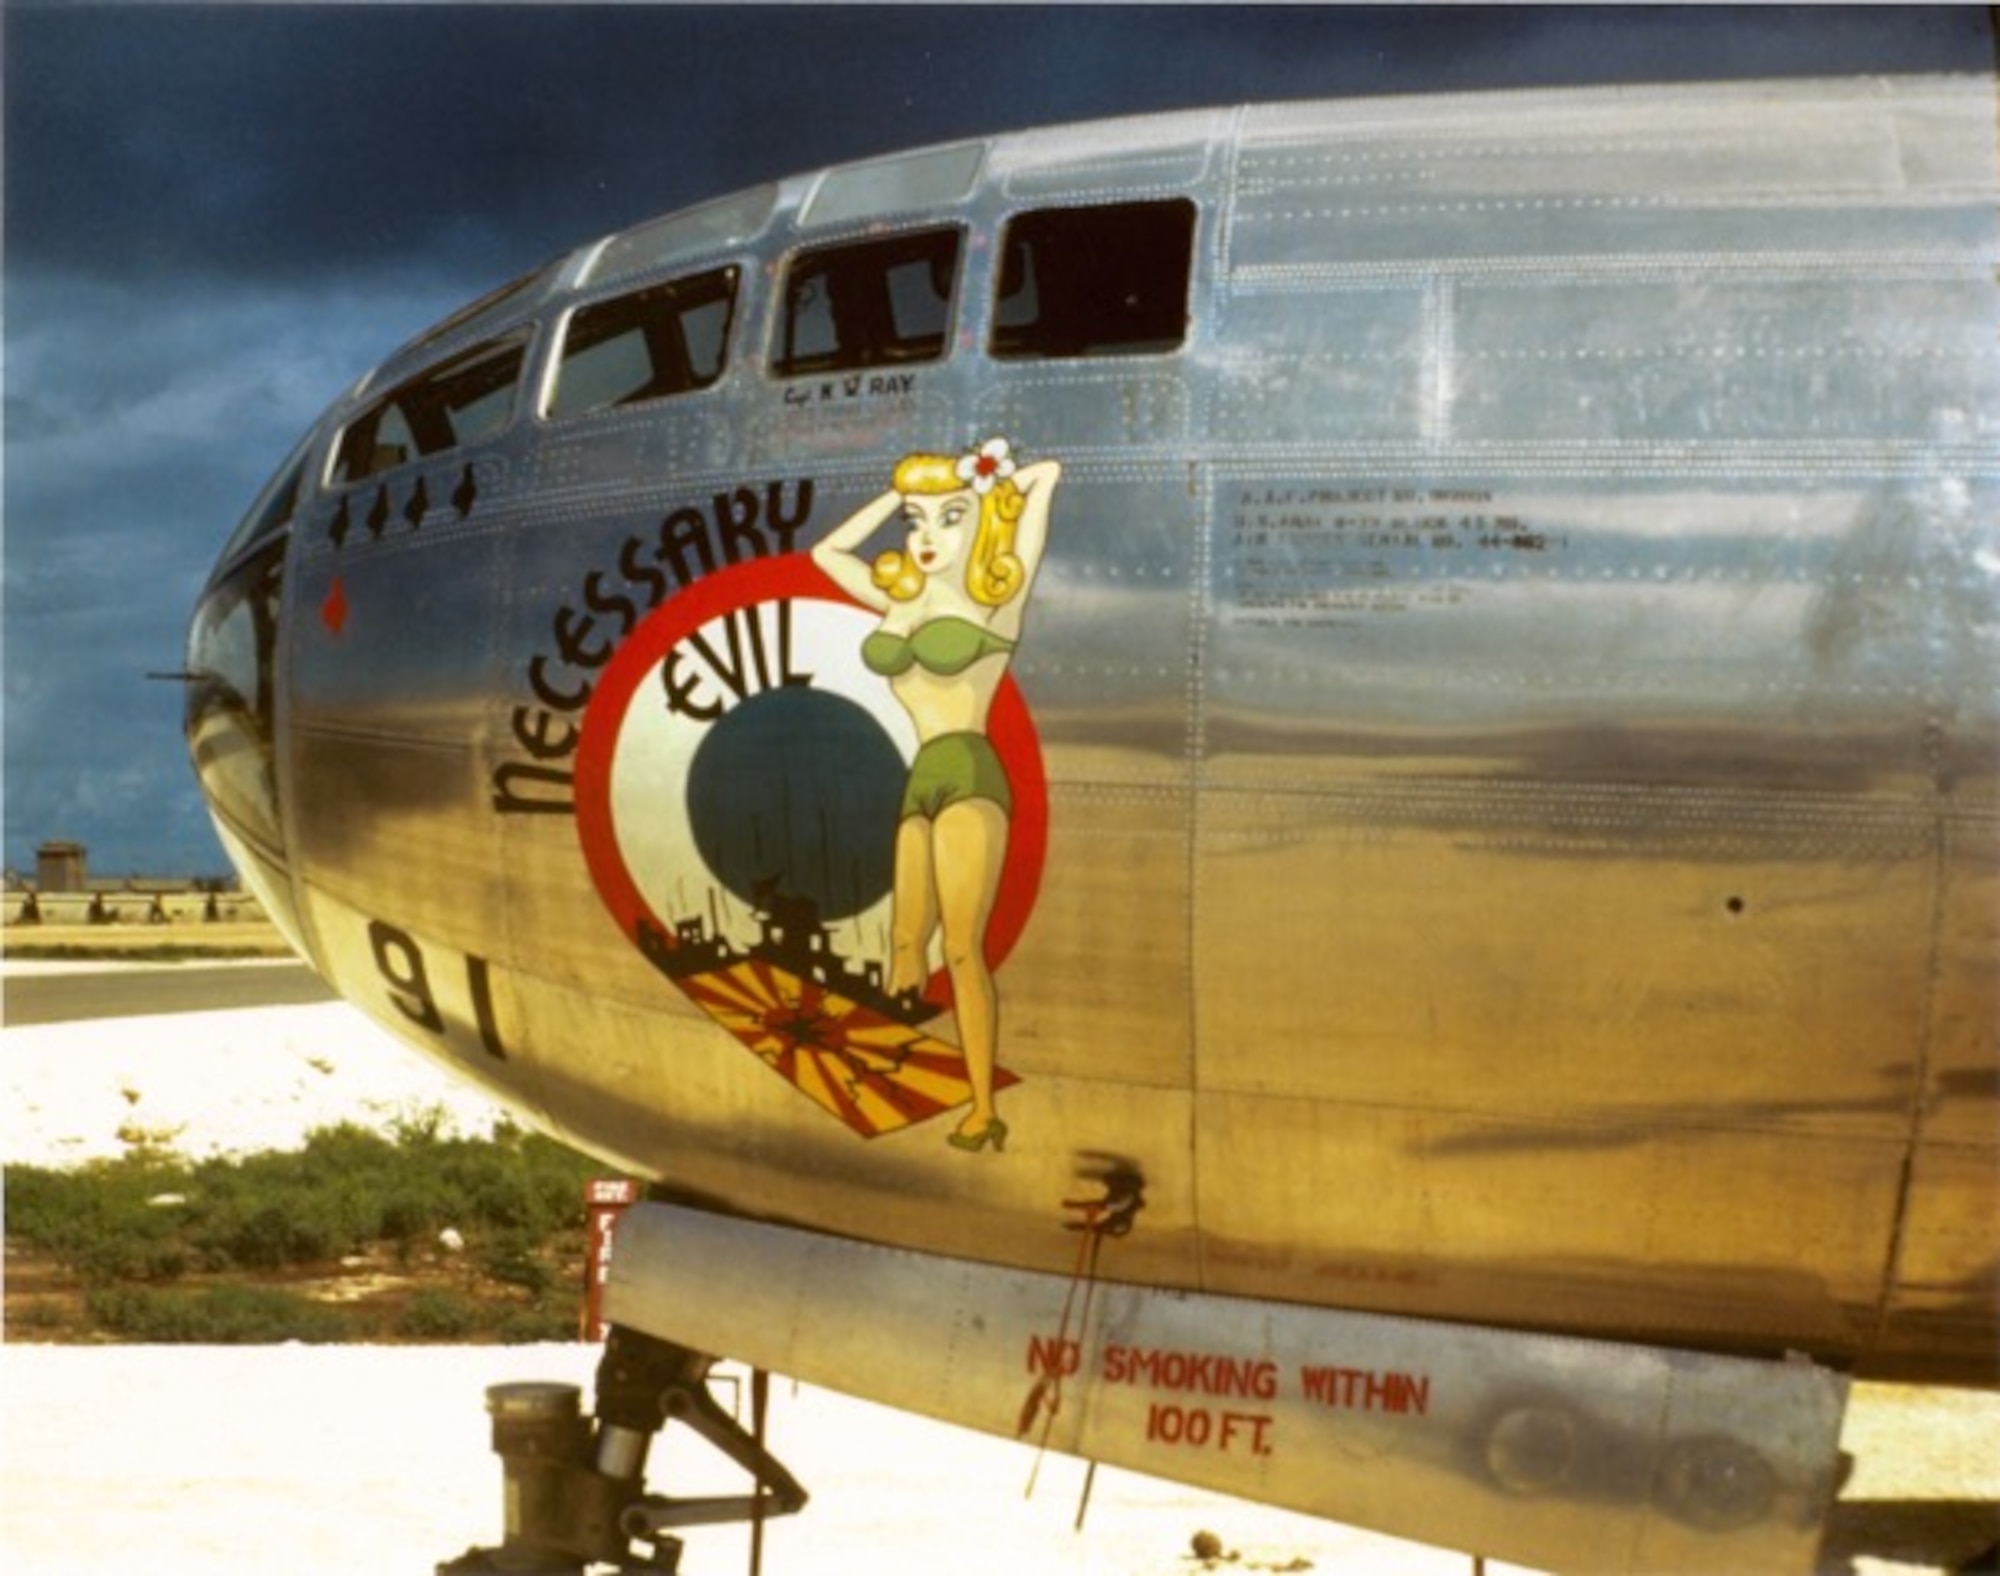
[1104, 281]
[869, 303]
[458, 402]
[664, 340]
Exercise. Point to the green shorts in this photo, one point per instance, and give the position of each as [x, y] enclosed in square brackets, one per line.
[953, 769]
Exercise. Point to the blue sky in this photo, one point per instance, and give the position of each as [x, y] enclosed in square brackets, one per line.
[218, 216]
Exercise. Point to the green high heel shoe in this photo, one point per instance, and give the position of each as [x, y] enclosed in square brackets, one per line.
[994, 1132]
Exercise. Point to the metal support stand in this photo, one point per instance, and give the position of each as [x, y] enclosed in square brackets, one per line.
[574, 1490]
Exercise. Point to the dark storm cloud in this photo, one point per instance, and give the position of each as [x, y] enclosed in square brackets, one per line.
[140, 422]
[218, 216]
[292, 139]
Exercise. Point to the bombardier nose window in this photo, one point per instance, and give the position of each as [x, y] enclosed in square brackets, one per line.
[232, 649]
[232, 692]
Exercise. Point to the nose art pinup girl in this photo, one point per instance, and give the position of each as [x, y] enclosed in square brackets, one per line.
[951, 603]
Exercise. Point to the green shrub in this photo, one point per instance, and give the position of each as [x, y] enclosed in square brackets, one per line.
[101, 1222]
[512, 1259]
[42, 1315]
[545, 1321]
[126, 1228]
[438, 1316]
[213, 1316]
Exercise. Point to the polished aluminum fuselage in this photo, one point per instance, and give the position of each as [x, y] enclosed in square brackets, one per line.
[1517, 692]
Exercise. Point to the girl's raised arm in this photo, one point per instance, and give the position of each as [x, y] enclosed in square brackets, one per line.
[837, 559]
[1038, 484]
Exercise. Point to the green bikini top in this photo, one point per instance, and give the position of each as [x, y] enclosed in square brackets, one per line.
[945, 646]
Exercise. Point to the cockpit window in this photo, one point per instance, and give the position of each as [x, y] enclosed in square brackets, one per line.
[1103, 281]
[666, 339]
[869, 303]
[457, 402]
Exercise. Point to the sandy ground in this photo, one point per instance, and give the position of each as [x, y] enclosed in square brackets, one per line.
[347, 1460]
[212, 1082]
[353, 1460]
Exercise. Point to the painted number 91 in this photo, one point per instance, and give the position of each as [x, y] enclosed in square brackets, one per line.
[400, 962]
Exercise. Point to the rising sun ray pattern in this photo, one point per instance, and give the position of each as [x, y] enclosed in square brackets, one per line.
[875, 1074]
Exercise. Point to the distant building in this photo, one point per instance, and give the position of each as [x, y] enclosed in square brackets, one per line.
[61, 867]
[63, 892]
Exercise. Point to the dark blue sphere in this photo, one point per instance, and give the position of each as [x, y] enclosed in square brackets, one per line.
[797, 791]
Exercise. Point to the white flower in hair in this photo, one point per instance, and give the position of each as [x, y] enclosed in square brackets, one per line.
[991, 462]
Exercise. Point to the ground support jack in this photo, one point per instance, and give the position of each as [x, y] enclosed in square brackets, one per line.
[574, 1487]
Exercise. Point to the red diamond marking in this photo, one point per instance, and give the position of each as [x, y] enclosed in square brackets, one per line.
[333, 611]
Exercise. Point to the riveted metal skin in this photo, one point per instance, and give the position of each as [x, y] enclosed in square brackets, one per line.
[1507, 702]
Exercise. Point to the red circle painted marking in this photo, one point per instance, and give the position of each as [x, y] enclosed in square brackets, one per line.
[793, 577]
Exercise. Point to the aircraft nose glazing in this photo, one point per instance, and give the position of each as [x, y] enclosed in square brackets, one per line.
[231, 716]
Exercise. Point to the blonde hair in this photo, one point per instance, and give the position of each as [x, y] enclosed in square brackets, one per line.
[993, 575]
